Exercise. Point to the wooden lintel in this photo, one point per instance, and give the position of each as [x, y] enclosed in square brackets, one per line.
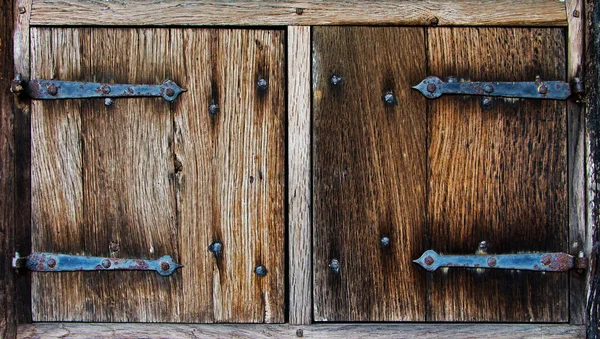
[341, 331]
[299, 12]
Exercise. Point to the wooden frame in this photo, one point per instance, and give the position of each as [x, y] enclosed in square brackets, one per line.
[583, 135]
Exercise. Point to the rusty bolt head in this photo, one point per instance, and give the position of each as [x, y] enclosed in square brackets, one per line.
[334, 264]
[385, 242]
[299, 333]
[113, 246]
[106, 263]
[542, 89]
[16, 85]
[547, 259]
[491, 261]
[52, 90]
[261, 271]
[216, 248]
[428, 260]
[486, 103]
[105, 89]
[22, 10]
[431, 88]
[51, 263]
[390, 99]
[262, 85]
[213, 109]
[488, 88]
[335, 80]
[165, 266]
[170, 92]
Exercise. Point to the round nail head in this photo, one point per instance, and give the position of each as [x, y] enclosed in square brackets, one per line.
[261, 271]
[106, 263]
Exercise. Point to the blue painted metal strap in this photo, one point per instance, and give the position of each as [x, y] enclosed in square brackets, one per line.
[56, 89]
[551, 262]
[433, 87]
[51, 262]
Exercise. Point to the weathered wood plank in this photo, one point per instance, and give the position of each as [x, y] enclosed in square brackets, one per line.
[230, 179]
[592, 86]
[101, 177]
[369, 173]
[56, 171]
[497, 175]
[335, 331]
[8, 317]
[299, 188]
[22, 133]
[578, 239]
[300, 12]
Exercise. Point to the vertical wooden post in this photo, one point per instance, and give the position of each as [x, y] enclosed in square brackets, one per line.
[576, 161]
[299, 167]
[592, 89]
[8, 323]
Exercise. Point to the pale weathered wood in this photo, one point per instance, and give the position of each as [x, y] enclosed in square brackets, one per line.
[578, 239]
[335, 331]
[300, 12]
[497, 175]
[22, 133]
[369, 173]
[101, 176]
[56, 173]
[8, 317]
[230, 173]
[299, 189]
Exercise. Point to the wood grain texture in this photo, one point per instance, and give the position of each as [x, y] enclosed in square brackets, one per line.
[369, 174]
[299, 182]
[497, 175]
[578, 238]
[300, 12]
[160, 179]
[22, 135]
[56, 173]
[230, 187]
[334, 331]
[8, 317]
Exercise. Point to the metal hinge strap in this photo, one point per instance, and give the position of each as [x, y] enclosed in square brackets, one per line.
[433, 87]
[547, 262]
[52, 262]
[57, 89]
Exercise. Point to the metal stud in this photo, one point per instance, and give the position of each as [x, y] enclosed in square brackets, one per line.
[262, 85]
[335, 80]
[390, 99]
[213, 109]
[334, 264]
[216, 248]
[385, 242]
[261, 271]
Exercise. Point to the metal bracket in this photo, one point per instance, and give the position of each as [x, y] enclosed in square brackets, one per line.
[433, 87]
[56, 89]
[51, 262]
[548, 262]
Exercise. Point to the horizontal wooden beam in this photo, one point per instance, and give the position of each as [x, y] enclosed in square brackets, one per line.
[299, 12]
[334, 331]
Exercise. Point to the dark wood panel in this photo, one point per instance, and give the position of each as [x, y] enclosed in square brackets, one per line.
[369, 167]
[230, 183]
[8, 316]
[497, 175]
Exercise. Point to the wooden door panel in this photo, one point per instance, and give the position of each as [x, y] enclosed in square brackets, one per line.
[161, 179]
[369, 168]
[497, 175]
